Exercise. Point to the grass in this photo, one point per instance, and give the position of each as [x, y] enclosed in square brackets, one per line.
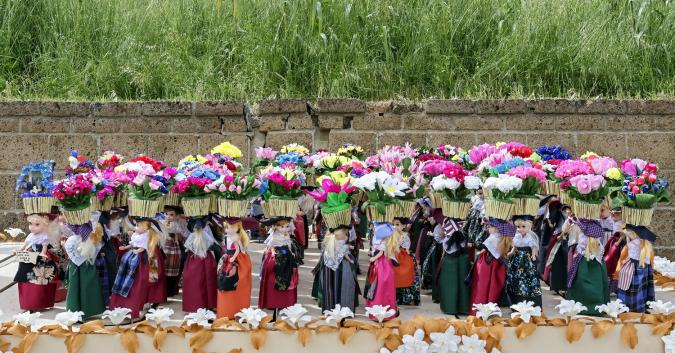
[370, 49]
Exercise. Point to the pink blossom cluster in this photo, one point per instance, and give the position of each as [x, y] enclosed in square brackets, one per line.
[601, 164]
[265, 153]
[433, 168]
[72, 187]
[587, 183]
[478, 153]
[524, 172]
[634, 167]
[184, 185]
[572, 167]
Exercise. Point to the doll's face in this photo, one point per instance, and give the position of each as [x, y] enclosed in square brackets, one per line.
[37, 224]
[567, 212]
[170, 215]
[616, 216]
[522, 228]
[631, 235]
[341, 234]
[231, 229]
[604, 213]
[283, 226]
[398, 225]
[141, 227]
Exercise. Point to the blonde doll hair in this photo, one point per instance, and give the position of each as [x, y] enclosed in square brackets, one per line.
[646, 252]
[153, 238]
[329, 244]
[505, 243]
[88, 248]
[528, 225]
[394, 244]
[592, 247]
[243, 236]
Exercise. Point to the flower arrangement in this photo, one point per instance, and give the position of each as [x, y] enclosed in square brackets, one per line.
[640, 193]
[227, 149]
[383, 191]
[517, 149]
[590, 188]
[192, 187]
[35, 179]
[455, 190]
[351, 151]
[478, 153]
[548, 153]
[155, 164]
[235, 187]
[109, 160]
[78, 164]
[433, 168]
[532, 178]
[295, 148]
[282, 183]
[264, 157]
[74, 192]
[501, 190]
[507, 165]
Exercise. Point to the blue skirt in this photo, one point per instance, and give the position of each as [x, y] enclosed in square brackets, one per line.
[641, 289]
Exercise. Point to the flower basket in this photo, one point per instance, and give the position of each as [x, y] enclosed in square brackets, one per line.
[637, 216]
[41, 204]
[143, 208]
[281, 208]
[525, 206]
[565, 198]
[95, 204]
[334, 219]
[405, 209]
[311, 179]
[121, 199]
[586, 210]
[232, 208]
[357, 197]
[106, 204]
[436, 199]
[213, 203]
[498, 209]
[455, 209]
[196, 207]
[77, 217]
[552, 188]
[171, 199]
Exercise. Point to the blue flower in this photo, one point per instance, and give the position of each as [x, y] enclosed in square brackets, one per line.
[264, 186]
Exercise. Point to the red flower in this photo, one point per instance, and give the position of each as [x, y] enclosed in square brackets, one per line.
[156, 165]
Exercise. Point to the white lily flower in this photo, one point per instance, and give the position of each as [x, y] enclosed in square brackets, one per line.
[367, 182]
[26, 318]
[337, 314]
[415, 343]
[252, 317]
[669, 342]
[394, 187]
[68, 318]
[613, 308]
[159, 316]
[525, 310]
[472, 344]
[295, 315]
[659, 307]
[485, 311]
[117, 315]
[380, 312]
[570, 307]
[444, 342]
[201, 317]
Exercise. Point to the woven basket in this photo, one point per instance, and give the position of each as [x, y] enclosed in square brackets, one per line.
[586, 210]
[335, 219]
[637, 216]
[525, 206]
[405, 209]
[565, 198]
[94, 204]
[171, 199]
[77, 217]
[552, 188]
[121, 199]
[357, 197]
[281, 208]
[455, 209]
[196, 207]
[143, 208]
[106, 204]
[232, 208]
[42, 204]
[213, 203]
[436, 199]
[498, 209]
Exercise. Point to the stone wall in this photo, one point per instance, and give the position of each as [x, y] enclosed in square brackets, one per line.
[170, 130]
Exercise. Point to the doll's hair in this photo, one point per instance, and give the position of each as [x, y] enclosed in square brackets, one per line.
[329, 244]
[243, 236]
[393, 243]
[37, 218]
[646, 252]
[504, 246]
[592, 247]
[153, 238]
[522, 222]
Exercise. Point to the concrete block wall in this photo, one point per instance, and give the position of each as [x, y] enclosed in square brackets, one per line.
[170, 130]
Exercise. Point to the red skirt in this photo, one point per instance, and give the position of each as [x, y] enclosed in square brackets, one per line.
[404, 273]
[157, 289]
[36, 296]
[612, 254]
[199, 283]
[299, 233]
[138, 294]
[270, 297]
[551, 244]
[487, 281]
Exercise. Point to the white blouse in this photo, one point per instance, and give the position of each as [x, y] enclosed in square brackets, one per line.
[139, 240]
[522, 241]
[634, 249]
[492, 244]
[405, 241]
[36, 239]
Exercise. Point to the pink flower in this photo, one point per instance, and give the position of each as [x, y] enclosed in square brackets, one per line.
[222, 188]
[138, 180]
[601, 164]
[265, 153]
[478, 153]
[154, 184]
[238, 189]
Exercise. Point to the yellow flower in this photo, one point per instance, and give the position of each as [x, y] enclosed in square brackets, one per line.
[289, 174]
[192, 158]
[588, 154]
[499, 144]
[294, 147]
[227, 149]
[614, 174]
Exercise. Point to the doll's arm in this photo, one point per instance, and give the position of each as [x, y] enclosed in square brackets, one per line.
[236, 253]
[377, 256]
[139, 250]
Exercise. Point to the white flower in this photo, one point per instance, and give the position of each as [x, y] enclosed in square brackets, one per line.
[659, 307]
[201, 317]
[394, 187]
[472, 344]
[159, 316]
[414, 343]
[26, 318]
[669, 342]
[295, 315]
[570, 307]
[525, 310]
[441, 182]
[485, 311]
[613, 308]
[445, 342]
[337, 314]
[472, 182]
[380, 312]
[251, 316]
[117, 315]
[68, 318]
[369, 181]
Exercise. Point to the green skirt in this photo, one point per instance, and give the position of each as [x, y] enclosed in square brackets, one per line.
[84, 290]
[454, 294]
[435, 263]
[590, 286]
